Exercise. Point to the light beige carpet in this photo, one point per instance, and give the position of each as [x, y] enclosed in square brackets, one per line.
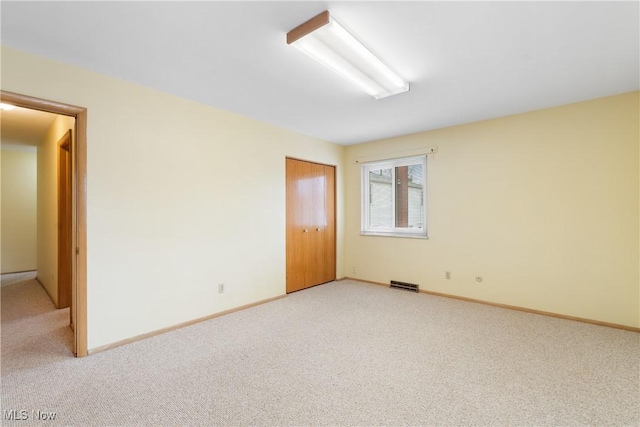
[343, 353]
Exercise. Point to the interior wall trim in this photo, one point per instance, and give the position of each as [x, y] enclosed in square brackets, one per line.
[180, 325]
[18, 272]
[514, 307]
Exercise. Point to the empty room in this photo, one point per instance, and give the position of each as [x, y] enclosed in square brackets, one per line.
[320, 213]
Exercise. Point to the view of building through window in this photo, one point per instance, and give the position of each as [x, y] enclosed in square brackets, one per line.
[396, 196]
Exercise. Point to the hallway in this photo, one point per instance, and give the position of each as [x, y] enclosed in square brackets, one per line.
[33, 331]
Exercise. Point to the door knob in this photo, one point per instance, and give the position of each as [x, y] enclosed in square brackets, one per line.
[305, 231]
[317, 229]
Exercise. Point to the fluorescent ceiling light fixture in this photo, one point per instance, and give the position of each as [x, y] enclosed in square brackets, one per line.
[6, 107]
[326, 41]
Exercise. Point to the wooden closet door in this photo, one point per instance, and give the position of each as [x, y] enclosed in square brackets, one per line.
[297, 239]
[310, 224]
[329, 231]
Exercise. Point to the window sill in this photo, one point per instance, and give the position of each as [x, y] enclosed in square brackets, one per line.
[401, 235]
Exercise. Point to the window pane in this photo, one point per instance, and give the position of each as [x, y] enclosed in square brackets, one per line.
[409, 197]
[380, 198]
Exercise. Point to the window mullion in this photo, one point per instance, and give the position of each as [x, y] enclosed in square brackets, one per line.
[366, 208]
[394, 187]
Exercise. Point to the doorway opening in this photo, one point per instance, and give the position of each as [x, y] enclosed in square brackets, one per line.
[71, 195]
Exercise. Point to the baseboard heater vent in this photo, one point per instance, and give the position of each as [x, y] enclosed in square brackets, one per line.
[405, 286]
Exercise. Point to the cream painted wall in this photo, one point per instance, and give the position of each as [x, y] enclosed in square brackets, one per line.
[48, 205]
[543, 205]
[18, 169]
[168, 214]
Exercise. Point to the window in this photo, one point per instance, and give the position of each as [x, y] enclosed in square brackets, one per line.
[394, 197]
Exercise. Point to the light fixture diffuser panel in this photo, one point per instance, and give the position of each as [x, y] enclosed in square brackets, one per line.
[334, 47]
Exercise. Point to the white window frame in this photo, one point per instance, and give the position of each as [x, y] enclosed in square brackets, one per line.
[366, 228]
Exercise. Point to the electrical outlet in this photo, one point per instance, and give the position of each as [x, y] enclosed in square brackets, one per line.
[221, 288]
[447, 275]
[478, 279]
[353, 270]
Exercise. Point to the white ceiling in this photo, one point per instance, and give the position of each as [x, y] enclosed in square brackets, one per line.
[23, 126]
[466, 61]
